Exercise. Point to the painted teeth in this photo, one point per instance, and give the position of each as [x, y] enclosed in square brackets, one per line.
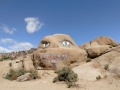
[54, 61]
[58, 56]
[47, 56]
[53, 58]
[48, 60]
[57, 60]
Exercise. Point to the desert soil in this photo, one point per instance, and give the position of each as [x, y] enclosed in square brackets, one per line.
[45, 83]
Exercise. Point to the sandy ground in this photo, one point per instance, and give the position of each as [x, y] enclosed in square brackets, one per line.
[109, 83]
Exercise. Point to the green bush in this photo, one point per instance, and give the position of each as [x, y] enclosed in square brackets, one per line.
[8, 76]
[106, 67]
[10, 64]
[12, 75]
[110, 46]
[1, 60]
[7, 58]
[88, 60]
[67, 75]
[98, 77]
[118, 76]
[115, 45]
[34, 74]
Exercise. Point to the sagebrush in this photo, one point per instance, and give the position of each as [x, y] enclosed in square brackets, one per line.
[14, 74]
[67, 75]
[98, 77]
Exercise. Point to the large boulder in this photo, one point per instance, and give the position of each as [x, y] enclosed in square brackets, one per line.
[16, 65]
[98, 46]
[14, 70]
[21, 67]
[24, 77]
[25, 63]
[28, 63]
[94, 49]
[57, 51]
[104, 40]
[89, 71]
[111, 58]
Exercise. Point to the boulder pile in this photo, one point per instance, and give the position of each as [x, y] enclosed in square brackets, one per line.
[98, 46]
[89, 60]
[56, 51]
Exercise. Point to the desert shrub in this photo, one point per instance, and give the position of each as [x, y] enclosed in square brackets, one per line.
[115, 45]
[34, 74]
[10, 64]
[88, 60]
[12, 75]
[118, 76]
[106, 66]
[7, 58]
[110, 46]
[8, 76]
[98, 77]
[1, 59]
[67, 75]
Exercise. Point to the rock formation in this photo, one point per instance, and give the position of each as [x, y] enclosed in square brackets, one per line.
[28, 63]
[24, 77]
[17, 55]
[98, 46]
[103, 40]
[57, 51]
[89, 71]
[111, 58]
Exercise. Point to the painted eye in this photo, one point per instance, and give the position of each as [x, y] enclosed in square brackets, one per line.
[46, 44]
[66, 43]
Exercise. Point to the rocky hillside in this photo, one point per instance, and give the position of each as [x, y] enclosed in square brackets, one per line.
[96, 63]
[15, 55]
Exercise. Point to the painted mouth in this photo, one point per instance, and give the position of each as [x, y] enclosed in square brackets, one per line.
[53, 58]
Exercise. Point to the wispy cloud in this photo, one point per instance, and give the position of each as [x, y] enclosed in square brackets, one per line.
[33, 24]
[3, 50]
[7, 40]
[21, 46]
[7, 30]
[14, 45]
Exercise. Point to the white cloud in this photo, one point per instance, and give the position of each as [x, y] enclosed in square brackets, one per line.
[8, 30]
[7, 40]
[33, 24]
[21, 46]
[14, 45]
[3, 50]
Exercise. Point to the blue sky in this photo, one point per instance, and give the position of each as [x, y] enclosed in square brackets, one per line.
[23, 23]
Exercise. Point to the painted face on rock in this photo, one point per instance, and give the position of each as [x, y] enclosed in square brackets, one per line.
[57, 51]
